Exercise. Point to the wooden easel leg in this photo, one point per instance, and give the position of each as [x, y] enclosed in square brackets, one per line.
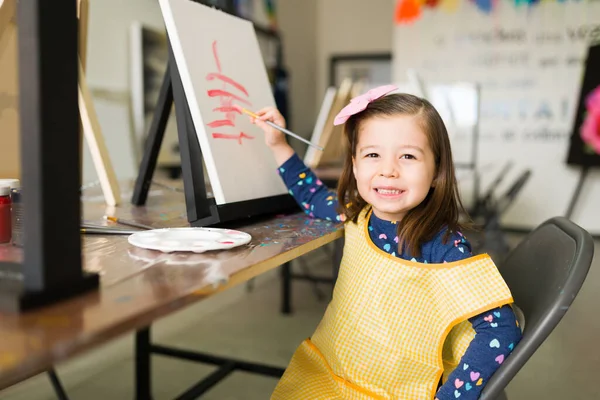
[7, 13]
[83, 16]
[96, 145]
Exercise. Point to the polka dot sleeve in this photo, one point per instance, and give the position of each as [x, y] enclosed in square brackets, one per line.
[310, 193]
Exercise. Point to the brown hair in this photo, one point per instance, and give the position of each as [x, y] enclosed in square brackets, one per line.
[442, 205]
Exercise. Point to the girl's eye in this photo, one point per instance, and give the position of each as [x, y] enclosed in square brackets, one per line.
[408, 157]
[372, 155]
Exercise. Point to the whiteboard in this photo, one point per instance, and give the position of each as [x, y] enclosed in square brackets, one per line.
[528, 62]
[220, 64]
[457, 103]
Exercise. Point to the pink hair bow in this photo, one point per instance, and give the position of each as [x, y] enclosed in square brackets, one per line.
[359, 103]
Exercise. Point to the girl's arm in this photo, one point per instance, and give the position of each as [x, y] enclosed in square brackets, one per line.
[496, 335]
[313, 197]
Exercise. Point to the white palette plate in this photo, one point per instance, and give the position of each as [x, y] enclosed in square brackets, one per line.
[197, 240]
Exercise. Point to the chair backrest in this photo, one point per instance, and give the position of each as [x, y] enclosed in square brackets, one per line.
[544, 273]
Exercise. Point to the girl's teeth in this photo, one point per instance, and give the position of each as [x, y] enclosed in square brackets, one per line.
[385, 191]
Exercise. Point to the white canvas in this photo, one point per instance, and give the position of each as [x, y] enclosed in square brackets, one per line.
[220, 64]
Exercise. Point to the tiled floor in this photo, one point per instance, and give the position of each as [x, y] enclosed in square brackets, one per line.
[248, 325]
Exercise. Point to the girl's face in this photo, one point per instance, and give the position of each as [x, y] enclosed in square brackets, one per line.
[393, 165]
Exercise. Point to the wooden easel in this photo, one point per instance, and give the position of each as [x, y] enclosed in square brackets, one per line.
[9, 140]
[331, 138]
[89, 120]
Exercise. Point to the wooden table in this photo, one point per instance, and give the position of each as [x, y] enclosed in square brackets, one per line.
[140, 286]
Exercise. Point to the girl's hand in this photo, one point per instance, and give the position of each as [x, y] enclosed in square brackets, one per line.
[273, 137]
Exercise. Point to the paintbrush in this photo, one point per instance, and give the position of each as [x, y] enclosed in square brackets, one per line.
[95, 226]
[282, 129]
[127, 222]
[104, 231]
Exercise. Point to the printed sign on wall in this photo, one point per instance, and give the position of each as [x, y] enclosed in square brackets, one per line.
[529, 62]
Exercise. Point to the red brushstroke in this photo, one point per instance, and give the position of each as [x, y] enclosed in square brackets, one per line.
[227, 109]
[214, 48]
[230, 136]
[225, 93]
[226, 99]
[221, 122]
[228, 80]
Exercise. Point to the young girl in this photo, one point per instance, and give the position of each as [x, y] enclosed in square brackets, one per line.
[414, 315]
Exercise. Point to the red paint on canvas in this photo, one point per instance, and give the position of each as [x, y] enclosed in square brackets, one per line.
[227, 80]
[214, 49]
[230, 136]
[228, 109]
[226, 95]
[221, 122]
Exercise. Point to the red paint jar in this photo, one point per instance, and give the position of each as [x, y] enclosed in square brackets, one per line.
[5, 219]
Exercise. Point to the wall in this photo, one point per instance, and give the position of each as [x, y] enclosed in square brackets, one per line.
[107, 76]
[529, 63]
[350, 26]
[297, 21]
[107, 69]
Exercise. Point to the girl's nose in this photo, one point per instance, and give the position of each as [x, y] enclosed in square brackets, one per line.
[388, 170]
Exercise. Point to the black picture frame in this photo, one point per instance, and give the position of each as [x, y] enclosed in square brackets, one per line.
[359, 59]
[578, 154]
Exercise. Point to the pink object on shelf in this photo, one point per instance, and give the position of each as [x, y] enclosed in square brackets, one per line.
[590, 129]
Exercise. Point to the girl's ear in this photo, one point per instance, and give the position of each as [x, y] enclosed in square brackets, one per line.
[436, 177]
[354, 167]
[435, 180]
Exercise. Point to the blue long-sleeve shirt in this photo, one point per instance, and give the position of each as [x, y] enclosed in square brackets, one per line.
[496, 330]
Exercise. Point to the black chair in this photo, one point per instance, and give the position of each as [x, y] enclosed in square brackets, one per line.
[544, 273]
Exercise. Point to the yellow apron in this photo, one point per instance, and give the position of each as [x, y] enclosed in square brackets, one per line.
[384, 333]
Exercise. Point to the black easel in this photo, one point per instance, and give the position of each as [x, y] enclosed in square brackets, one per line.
[577, 156]
[49, 125]
[201, 209]
[582, 177]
